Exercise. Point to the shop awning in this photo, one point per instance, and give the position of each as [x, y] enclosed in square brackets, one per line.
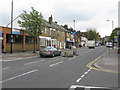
[48, 38]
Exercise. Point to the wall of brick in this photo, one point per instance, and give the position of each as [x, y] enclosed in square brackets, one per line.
[15, 47]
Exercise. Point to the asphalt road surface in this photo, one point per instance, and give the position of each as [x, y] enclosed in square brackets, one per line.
[57, 72]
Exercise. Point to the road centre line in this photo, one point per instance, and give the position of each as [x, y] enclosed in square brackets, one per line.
[33, 62]
[19, 76]
[78, 80]
[82, 54]
[4, 68]
[55, 64]
[72, 58]
[8, 60]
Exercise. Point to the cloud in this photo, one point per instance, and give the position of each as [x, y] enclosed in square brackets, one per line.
[87, 13]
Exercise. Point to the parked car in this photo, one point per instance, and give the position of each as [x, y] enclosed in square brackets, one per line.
[109, 44]
[96, 44]
[49, 51]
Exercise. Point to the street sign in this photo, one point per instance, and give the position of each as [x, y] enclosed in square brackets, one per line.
[116, 38]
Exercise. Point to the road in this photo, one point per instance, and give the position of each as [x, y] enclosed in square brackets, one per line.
[57, 72]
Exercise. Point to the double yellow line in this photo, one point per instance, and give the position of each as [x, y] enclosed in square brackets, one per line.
[96, 67]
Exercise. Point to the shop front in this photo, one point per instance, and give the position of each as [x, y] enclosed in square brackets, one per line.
[70, 42]
[45, 41]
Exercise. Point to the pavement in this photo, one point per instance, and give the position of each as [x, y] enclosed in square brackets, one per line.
[18, 56]
[108, 62]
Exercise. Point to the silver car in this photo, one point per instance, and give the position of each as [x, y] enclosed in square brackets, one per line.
[49, 51]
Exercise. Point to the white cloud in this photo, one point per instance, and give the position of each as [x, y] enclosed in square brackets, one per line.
[87, 13]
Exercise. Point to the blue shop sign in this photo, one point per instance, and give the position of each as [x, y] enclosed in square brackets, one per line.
[74, 33]
[15, 32]
[0, 34]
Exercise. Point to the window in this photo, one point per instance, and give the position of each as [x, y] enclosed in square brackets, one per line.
[63, 34]
[29, 39]
[50, 31]
[58, 43]
[15, 38]
[42, 41]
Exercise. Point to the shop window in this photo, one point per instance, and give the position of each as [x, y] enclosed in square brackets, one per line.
[15, 38]
[29, 39]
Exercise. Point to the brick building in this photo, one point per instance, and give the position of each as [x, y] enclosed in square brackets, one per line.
[53, 35]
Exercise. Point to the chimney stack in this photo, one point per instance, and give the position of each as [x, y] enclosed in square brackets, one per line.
[50, 19]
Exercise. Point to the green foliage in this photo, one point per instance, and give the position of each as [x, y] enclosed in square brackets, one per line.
[92, 34]
[114, 33]
[32, 22]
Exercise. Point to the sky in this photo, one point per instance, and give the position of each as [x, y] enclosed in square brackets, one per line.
[86, 13]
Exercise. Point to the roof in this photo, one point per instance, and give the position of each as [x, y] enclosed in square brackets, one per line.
[55, 26]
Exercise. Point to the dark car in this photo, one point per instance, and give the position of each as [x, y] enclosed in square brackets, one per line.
[49, 51]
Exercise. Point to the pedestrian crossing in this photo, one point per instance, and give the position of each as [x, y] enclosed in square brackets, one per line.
[78, 87]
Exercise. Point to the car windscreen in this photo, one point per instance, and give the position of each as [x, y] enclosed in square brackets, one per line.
[47, 48]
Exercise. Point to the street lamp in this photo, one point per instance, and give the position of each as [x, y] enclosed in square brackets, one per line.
[112, 29]
[112, 23]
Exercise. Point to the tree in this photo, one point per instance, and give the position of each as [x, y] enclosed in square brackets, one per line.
[92, 34]
[114, 33]
[33, 23]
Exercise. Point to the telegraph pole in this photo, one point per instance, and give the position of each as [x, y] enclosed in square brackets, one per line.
[11, 26]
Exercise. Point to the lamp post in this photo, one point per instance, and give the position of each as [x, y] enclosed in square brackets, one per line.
[112, 27]
[112, 23]
[74, 31]
[11, 26]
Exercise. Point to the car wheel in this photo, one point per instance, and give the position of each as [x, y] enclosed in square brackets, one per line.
[53, 55]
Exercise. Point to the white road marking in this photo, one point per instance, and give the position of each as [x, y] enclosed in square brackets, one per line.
[33, 62]
[82, 54]
[19, 76]
[86, 73]
[18, 59]
[78, 80]
[4, 68]
[82, 76]
[70, 58]
[73, 87]
[56, 63]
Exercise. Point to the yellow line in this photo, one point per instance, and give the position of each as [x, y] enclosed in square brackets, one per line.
[89, 65]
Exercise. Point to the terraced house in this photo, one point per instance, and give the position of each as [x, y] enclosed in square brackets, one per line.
[53, 35]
